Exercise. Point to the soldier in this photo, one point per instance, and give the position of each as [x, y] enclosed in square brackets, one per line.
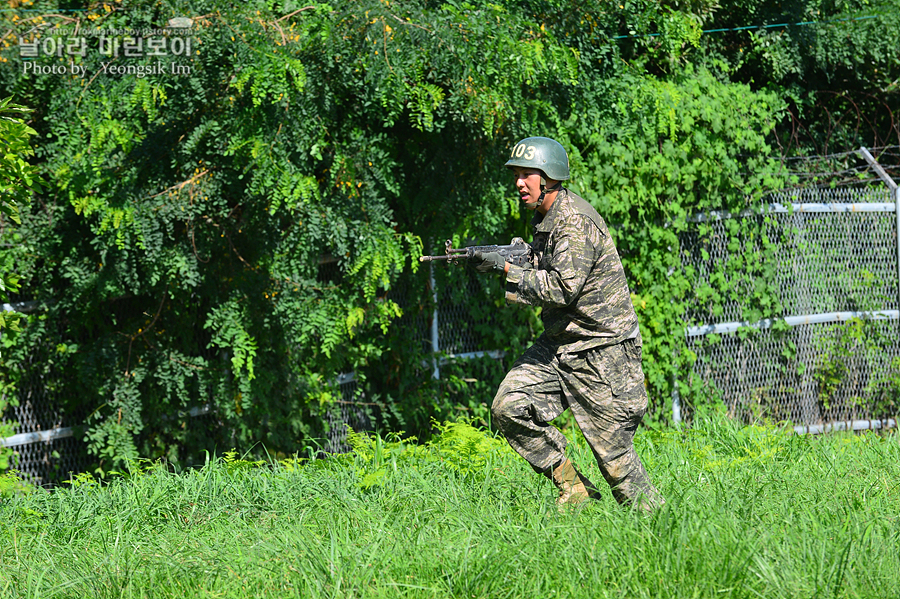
[589, 357]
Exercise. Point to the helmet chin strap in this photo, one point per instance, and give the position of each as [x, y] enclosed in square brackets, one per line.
[544, 191]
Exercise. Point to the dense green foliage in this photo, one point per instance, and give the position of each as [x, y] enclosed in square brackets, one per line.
[241, 232]
[751, 512]
[840, 79]
[18, 180]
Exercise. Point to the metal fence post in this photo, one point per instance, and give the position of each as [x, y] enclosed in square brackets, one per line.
[435, 341]
[676, 401]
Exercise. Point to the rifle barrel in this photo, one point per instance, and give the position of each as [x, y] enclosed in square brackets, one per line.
[433, 258]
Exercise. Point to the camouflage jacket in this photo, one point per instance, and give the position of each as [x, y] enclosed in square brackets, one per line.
[576, 277]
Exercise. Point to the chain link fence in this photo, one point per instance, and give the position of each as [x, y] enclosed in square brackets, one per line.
[45, 445]
[831, 357]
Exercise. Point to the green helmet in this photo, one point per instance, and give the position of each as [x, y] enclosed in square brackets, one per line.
[542, 153]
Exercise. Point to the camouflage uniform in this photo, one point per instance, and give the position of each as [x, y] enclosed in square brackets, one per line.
[589, 357]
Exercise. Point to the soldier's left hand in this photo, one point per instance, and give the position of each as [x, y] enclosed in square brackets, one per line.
[488, 262]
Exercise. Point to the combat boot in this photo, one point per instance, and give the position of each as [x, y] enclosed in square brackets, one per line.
[574, 487]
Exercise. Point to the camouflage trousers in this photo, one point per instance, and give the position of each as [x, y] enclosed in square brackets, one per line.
[604, 389]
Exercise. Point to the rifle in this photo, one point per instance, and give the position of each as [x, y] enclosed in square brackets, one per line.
[517, 252]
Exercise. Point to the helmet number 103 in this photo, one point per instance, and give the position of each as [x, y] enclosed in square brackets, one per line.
[521, 150]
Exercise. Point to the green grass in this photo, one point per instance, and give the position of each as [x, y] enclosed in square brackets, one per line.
[752, 512]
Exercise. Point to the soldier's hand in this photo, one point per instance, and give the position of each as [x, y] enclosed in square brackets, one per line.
[488, 262]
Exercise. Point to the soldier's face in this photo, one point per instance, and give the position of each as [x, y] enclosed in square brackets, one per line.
[528, 184]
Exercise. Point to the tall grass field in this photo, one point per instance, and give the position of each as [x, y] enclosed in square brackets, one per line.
[752, 512]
